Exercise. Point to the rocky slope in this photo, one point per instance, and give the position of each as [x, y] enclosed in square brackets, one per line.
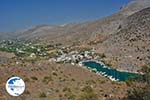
[130, 47]
[87, 31]
[58, 82]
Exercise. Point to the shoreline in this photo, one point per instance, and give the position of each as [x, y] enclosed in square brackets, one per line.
[99, 62]
[97, 72]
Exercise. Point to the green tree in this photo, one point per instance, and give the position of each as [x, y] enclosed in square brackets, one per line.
[146, 71]
[88, 94]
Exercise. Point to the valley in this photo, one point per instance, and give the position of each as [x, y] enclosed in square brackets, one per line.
[103, 59]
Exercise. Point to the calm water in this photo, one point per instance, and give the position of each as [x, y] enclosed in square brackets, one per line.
[111, 73]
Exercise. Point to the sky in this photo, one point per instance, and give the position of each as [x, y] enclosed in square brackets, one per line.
[17, 15]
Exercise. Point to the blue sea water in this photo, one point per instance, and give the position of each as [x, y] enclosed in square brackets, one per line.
[110, 72]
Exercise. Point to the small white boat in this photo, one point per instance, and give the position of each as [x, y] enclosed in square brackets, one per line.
[105, 75]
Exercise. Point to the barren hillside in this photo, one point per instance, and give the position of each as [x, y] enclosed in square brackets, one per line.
[129, 47]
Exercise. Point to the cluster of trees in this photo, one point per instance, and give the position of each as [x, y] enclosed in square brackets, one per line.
[141, 92]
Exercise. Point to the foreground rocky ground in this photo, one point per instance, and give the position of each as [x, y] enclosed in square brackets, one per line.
[50, 81]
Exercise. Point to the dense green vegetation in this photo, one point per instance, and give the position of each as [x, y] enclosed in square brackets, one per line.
[21, 49]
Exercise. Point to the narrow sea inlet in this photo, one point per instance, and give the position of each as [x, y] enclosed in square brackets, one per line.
[111, 73]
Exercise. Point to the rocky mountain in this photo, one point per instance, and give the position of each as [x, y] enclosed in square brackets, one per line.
[83, 32]
[130, 47]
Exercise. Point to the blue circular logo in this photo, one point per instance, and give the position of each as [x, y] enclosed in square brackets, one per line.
[15, 86]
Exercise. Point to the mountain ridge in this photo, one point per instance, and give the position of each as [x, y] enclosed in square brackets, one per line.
[101, 27]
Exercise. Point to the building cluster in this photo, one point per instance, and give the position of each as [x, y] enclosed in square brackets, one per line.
[74, 57]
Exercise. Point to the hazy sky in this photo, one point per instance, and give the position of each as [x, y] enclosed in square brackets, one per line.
[21, 14]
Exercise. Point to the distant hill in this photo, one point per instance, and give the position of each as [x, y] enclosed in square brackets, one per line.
[84, 31]
[6, 36]
[130, 47]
